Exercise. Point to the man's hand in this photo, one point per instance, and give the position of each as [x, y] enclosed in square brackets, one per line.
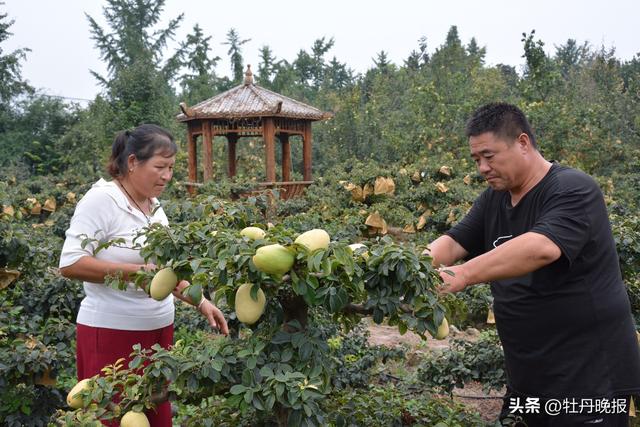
[454, 279]
[444, 251]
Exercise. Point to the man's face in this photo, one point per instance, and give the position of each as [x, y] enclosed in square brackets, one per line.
[498, 161]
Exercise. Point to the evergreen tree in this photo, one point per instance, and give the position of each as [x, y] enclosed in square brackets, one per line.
[337, 75]
[418, 58]
[318, 50]
[11, 87]
[570, 55]
[54, 119]
[138, 80]
[11, 83]
[200, 81]
[267, 67]
[235, 54]
[451, 57]
[381, 61]
[476, 53]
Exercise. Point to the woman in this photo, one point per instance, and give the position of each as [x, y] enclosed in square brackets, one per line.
[111, 321]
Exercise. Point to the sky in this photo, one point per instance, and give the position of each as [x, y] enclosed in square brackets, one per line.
[62, 52]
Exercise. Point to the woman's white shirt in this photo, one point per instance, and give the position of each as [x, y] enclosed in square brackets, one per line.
[104, 214]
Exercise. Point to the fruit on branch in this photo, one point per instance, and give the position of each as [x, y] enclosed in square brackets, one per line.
[273, 259]
[253, 233]
[314, 239]
[443, 330]
[355, 246]
[134, 419]
[163, 283]
[247, 309]
[73, 398]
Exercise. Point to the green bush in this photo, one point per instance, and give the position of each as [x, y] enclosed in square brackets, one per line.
[465, 361]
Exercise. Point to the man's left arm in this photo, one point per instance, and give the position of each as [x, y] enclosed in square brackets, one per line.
[519, 256]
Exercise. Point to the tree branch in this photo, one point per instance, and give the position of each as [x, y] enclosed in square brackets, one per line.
[361, 309]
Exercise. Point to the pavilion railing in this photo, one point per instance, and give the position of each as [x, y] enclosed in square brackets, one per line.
[286, 189]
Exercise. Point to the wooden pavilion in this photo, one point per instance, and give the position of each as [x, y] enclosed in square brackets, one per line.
[249, 110]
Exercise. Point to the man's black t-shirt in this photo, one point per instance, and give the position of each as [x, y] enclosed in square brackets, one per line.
[566, 329]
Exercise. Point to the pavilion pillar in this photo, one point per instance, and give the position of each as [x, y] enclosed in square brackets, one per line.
[286, 157]
[207, 140]
[306, 152]
[232, 139]
[192, 154]
[269, 132]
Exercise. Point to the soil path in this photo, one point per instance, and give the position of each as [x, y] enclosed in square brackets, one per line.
[472, 395]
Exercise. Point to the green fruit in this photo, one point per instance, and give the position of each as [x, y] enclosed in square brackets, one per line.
[443, 330]
[254, 233]
[314, 239]
[273, 259]
[249, 310]
[163, 283]
[134, 419]
[73, 398]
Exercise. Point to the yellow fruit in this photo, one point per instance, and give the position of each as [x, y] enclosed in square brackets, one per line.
[355, 246]
[163, 283]
[314, 239]
[443, 330]
[76, 401]
[249, 310]
[134, 419]
[254, 233]
[273, 259]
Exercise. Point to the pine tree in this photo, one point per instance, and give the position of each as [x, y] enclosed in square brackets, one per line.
[267, 67]
[235, 54]
[138, 79]
[570, 55]
[11, 83]
[11, 86]
[200, 81]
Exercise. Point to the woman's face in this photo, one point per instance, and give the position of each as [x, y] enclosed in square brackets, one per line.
[150, 178]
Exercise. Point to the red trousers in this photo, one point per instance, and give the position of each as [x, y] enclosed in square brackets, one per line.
[97, 347]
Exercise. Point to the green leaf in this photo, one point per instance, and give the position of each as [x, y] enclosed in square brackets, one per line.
[266, 371]
[247, 377]
[271, 400]
[402, 328]
[251, 362]
[237, 389]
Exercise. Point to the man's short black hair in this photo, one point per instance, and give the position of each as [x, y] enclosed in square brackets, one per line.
[504, 120]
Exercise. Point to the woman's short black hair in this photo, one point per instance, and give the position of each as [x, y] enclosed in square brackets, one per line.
[144, 142]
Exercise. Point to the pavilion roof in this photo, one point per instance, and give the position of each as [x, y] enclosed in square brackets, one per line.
[250, 100]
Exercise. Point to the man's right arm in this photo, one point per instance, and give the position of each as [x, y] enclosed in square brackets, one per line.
[445, 251]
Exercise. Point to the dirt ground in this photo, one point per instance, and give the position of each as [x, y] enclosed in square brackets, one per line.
[488, 405]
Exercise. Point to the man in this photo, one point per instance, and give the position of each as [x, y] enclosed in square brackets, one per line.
[541, 236]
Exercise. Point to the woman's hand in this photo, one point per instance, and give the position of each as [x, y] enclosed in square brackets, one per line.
[148, 267]
[214, 316]
[211, 312]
